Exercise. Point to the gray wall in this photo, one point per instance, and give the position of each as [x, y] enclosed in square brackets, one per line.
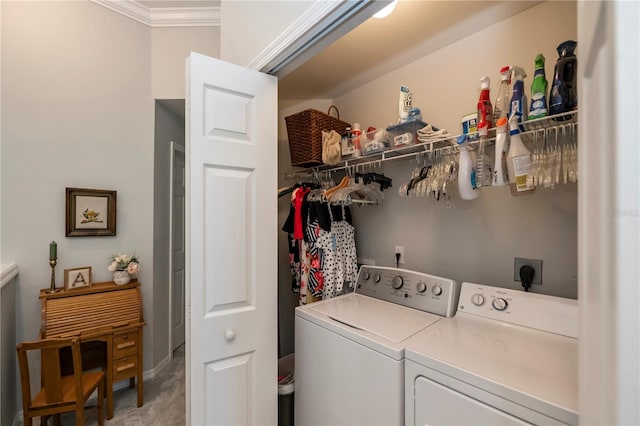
[169, 127]
[78, 82]
[10, 397]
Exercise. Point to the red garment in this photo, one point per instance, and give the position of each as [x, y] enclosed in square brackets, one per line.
[298, 198]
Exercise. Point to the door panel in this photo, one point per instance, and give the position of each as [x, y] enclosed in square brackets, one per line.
[177, 246]
[231, 244]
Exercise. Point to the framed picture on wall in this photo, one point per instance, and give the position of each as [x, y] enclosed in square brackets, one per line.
[77, 278]
[90, 212]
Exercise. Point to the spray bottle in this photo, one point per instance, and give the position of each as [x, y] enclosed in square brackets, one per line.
[485, 110]
[466, 172]
[500, 166]
[519, 98]
[518, 161]
[502, 101]
[538, 90]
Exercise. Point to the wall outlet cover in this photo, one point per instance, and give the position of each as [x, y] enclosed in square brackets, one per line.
[519, 262]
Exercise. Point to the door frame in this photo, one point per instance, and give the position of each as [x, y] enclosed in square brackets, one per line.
[174, 147]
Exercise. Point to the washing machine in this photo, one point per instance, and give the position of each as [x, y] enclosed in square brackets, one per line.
[350, 349]
[507, 357]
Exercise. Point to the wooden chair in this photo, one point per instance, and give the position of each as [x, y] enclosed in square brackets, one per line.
[59, 394]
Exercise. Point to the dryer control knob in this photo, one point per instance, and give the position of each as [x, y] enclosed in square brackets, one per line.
[436, 290]
[397, 282]
[421, 287]
[377, 278]
[477, 299]
[499, 304]
[366, 276]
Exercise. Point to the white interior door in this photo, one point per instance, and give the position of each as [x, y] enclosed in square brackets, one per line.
[231, 220]
[177, 245]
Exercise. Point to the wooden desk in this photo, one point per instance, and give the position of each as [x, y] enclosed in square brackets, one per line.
[103, 312]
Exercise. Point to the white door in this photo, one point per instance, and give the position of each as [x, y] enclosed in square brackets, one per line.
[231, 224]
[609, 211]
[177, 245]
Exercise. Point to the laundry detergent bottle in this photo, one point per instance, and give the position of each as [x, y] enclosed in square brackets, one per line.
[538, 90]
[501, 107]
[519, 104]
[564, 90]
[466, 171]
[518, 161]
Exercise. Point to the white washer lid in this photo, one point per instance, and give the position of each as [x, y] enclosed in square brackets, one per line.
[530, 367]
[384, 319]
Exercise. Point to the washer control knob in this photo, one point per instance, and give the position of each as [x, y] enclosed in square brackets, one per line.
[366, 276]
[421, 287]
[436, 290]
[377, 278]
[397, 282]
[477, 299]
[499, 304]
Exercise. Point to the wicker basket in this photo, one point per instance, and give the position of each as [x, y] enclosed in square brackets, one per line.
[304, 130]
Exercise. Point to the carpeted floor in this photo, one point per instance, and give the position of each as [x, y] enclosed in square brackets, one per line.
[164, 400]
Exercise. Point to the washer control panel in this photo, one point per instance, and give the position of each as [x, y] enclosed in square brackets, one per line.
[429, 293]
[548, 313]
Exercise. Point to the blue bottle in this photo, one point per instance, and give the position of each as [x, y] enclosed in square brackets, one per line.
[564, 91]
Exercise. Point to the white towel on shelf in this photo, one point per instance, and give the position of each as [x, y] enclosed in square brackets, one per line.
[427, 134]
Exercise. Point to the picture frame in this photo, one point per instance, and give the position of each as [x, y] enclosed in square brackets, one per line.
[90, 212]
[77, 278]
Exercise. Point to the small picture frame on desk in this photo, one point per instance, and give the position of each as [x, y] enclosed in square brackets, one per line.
[77, 278]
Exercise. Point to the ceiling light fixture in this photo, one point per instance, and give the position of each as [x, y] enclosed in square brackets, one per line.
[386, 11]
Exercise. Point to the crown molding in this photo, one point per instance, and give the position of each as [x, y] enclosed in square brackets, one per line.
[166, 16]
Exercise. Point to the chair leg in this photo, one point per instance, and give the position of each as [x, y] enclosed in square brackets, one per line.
[28, 421]
[100, 403]
[80, 415]
[57, 420]
[43, 420]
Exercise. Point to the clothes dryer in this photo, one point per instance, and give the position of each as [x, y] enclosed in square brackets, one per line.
[507, 357]
[350, 349]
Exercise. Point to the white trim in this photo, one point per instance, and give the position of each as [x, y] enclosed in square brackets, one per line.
[174, 148]
[295, 31]
[166, 16]
[322, 24]
[7, 273]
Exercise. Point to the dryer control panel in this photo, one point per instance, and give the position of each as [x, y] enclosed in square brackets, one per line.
[428, 293]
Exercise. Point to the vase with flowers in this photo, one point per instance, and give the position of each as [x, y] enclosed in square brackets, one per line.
[123, 268]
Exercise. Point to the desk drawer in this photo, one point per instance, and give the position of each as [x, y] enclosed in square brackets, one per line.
[125, 344]
[125, 367]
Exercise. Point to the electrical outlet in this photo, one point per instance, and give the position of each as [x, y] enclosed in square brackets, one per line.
[519, 262]
[400, 250]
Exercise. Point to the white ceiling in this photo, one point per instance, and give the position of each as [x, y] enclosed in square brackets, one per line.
[376, 47]
[414, 29]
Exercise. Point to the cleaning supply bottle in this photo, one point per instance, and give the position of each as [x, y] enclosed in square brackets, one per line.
[518, 161]
[502, 101]
[485, 110]
[538, 90]
[564, 90]
[519, 98]
[466, 172]
[483, 163]
[357, 143]
[500, 166]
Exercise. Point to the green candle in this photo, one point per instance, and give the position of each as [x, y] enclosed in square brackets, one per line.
[53, 250]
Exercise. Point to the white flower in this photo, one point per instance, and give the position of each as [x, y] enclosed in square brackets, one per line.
[132, 268]
[124, 262]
